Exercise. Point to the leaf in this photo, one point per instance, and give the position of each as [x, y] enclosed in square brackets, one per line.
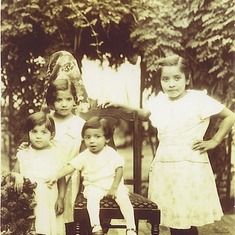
[31, 217]
[214, 68]
[226, 41]
[206, 17]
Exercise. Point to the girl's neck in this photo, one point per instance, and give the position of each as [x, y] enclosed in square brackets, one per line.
[60, 118]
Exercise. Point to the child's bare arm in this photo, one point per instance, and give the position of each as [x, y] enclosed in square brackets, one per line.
[225, 125]
[142, 113]
[16, 168]
[19, 179]
[59, 206]
[117, 179]
[68, 169]
[224, 128]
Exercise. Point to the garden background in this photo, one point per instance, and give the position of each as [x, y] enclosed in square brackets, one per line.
[114, 33]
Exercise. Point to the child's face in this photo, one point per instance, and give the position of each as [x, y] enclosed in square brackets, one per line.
[173, 82]
[40, 137]
[64, 103]
[95, 139]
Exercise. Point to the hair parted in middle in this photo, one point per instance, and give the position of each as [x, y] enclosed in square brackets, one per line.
[59, 85]
[175, 60]
[97, 122]
[38, 119]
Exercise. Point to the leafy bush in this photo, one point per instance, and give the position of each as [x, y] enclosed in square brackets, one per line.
[17, 208]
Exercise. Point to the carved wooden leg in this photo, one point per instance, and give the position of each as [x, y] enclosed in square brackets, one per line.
[137, 225]
[155, 222]
[105, 224]
[77, 228]
[82, 228]
[155, 229]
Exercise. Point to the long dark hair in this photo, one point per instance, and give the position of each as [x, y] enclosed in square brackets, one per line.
[37, 119]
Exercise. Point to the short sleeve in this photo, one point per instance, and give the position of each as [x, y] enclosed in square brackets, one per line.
[156, 105]
[209, 106]
[77, 162]
[23, 160]
[151, 102]
[19, 155]
[120, 161]
[117, 160]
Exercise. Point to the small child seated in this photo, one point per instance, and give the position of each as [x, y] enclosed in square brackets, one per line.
[102, 169]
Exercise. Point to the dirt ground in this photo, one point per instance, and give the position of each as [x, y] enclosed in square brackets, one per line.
[224, 227]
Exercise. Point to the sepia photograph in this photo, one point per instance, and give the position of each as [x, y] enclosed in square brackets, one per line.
[117, 117]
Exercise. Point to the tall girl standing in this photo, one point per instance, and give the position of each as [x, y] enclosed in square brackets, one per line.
[61, 98]
[181, 180]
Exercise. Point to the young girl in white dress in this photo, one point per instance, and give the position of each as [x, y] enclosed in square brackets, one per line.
[38, 162]
[61, 97]
[102, 169]
[181, 180]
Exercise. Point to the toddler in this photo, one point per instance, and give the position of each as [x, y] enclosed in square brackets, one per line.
[102, 169]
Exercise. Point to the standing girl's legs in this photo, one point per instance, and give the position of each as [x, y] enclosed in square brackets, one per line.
[73, 183]
[191, 231]
[126, 208]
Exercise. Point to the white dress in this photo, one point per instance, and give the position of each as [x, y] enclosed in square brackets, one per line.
[68, 138]
[181, 180]
[39, 165]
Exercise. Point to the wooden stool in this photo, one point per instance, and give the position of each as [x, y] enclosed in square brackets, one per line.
[144, 209]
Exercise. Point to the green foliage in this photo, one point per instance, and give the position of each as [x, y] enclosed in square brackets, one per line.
[213, 45]
[17, 209]
[82, 26]
[203, 32]
[199, 30]
[21, 95]
[32, 30]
